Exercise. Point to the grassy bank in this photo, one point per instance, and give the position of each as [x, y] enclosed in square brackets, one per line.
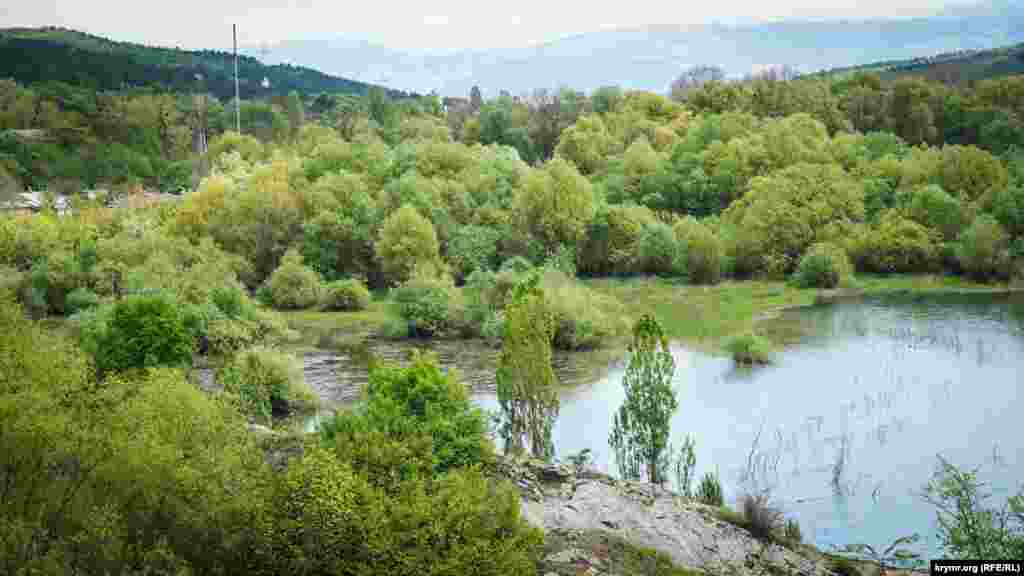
[706, 317]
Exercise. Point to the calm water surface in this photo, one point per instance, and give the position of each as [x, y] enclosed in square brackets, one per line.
[848, 422]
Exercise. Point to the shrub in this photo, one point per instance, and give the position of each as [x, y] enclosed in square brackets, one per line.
[407, 241]
[983, 250]
[473, 248]
[894, 245]
[611, 241]
[749, 349]
[792, 533]
[844, 567]
[554, 204]
[292, 286]
[762, 519]
[424, 302]
[931, 206]
[348, 295]
[700, 250]
[583, 318]
[141, 331]
[80, 299]
[657, 250]
[265, 383]
[709, 491]
[823, 266]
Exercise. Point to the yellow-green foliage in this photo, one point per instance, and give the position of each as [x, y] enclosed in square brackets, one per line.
[895, 244]
[701, 249]
[983, 250]
[555, 204]
[347, 295]
[784, 213]
[586, 144]
[425, 301]
[824, 265]
[407, 241]
[610, 246]
[749, 349]
[265, 383]
[293, 286]
[582, 318]
[969, 172]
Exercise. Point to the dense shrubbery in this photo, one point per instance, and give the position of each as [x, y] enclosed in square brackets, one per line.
[141, 331]
[292, 285]
[425, 302]
[348, 295]
[749, 349]
[265, 383]
[983, 250]
[824, 265]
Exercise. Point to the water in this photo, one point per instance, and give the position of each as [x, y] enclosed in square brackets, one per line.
[849, 421]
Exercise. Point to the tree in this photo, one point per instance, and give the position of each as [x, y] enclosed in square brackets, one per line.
[476, 100]
[695, 77]
[640, 429]
[407, 241]
[527, 386]
[296, 113]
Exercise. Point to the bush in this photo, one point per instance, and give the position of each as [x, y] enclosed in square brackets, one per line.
[292, 286]
[844, 567]
[749, 349]
[583, 318]
[894, 245]
[762, 519]
[407, 241]
[709, 491]
[347, 295]
[473, 248]
[823, 266]
[792, 533]
[80, 299]
[931, 206]
[700, 250]
[424, 302]
[983, 250]
[611, 242]
[265, 384]
[141, 331]
[657, 251]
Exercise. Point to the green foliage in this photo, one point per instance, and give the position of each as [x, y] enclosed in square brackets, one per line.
[894, 244]
[81, 299]
[791, 532]
[749, 349]
[658, 251]
[293, 286]
[141, 331]
[582, 318]
[265, 384]
[700, 251]
[407, 241]
[709, 491]
[418, 401]
[612, 237]
[641, 427]
[824, 265]
[425, 302]
[473, 248]
[348, 295]
[685, 462]
[555, 204]
[983, 250]
[844, 567]
[1008, 209]
[527, 384]
[932, 207]
[966, 528]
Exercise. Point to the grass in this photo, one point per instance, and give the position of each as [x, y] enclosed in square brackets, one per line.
[708, 317]
[609, 553]
[312, 323]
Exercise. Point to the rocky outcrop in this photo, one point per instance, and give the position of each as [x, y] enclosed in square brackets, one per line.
[564, 500]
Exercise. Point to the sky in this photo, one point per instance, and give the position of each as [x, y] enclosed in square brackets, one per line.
[415, 24]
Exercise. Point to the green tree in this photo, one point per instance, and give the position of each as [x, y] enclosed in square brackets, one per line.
[640, 429]
[407, 241]
[527, 386]
[144, 331]
[555, 204]
[296, 113]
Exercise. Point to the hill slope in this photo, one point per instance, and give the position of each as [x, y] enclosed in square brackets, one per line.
[650, 57]
[955, 67]
[30, 55]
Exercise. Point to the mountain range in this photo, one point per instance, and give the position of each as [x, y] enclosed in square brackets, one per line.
[650, 57]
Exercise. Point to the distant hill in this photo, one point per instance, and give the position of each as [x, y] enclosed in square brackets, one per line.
[954, 67]
[31, 55]
[650, 57]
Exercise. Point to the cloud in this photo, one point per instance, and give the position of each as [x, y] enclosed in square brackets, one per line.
[413, 24]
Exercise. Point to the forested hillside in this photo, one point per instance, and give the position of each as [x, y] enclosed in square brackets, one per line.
[951, 68]
[33, 55]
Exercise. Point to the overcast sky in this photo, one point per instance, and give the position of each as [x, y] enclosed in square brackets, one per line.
[414, 24]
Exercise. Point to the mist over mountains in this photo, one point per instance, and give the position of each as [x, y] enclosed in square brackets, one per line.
[650, 57]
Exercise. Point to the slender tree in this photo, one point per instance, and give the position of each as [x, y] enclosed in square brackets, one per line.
[527, 386]
[640, 430]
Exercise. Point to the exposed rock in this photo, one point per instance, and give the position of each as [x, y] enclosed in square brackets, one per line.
[561, 501]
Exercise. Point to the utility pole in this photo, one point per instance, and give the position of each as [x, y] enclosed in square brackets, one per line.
[238, 102]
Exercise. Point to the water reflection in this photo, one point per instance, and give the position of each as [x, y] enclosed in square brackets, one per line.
[845, 426]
